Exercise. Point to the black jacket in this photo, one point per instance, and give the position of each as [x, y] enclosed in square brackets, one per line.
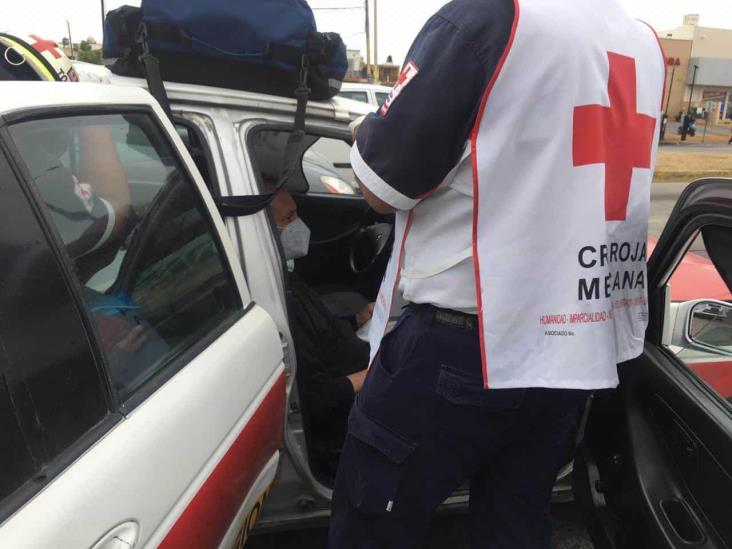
[327, 349]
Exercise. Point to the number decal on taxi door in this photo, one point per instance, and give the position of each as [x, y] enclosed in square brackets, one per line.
[250, 521]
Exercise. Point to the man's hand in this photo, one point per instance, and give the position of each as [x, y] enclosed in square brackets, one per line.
[364, 315]
[357, 380]
[355, 125]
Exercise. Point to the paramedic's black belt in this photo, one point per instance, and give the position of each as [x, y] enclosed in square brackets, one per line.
[462, 322]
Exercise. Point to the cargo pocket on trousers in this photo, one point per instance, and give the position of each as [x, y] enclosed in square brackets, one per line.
[375, 463]
[465, 388]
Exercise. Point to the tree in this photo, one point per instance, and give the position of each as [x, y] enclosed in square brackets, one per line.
[85, 46]
[90, 56]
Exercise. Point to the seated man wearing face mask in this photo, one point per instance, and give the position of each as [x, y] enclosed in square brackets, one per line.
[331, 359]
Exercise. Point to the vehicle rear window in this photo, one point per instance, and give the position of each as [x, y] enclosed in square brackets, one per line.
[381, 98]
[146, 254]
[356, 96]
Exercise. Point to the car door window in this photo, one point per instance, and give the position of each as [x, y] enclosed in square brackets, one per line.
[699, 328]
[381, 98]
[52, 391]
[325, 165]
[355, 96]
[199, 150]
[153, 275]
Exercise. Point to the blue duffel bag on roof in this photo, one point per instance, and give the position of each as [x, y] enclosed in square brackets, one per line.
[255, 45]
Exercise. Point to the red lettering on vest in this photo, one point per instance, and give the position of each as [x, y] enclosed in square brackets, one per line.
[617, 136]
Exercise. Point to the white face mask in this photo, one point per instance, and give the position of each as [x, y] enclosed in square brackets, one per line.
[295, 239]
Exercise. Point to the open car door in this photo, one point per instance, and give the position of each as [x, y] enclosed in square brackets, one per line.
[655, 469]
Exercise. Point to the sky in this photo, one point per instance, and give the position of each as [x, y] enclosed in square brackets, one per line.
[399, 21]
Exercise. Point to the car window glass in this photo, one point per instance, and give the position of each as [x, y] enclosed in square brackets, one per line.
[153, 275]
[197, 149]
[355, 96]
[381, 98]
[326, 165]
[268, 148]
[51, 388]
[699, 327]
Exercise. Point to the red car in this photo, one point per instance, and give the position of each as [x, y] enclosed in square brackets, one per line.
[697, 278]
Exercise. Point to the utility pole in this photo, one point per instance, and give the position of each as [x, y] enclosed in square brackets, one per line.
[368, 41]
[706, 125]
[687, 120]
[376, 33]
[104, 14]
[673, 63]
[71, 44]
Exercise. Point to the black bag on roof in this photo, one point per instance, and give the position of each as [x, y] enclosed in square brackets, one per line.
[253, 45]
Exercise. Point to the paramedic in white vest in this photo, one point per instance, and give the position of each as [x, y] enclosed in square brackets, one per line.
[517, 150]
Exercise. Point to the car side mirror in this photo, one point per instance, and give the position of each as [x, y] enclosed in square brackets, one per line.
[704, 325]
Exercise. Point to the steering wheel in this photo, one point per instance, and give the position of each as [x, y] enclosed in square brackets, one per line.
[368, 245]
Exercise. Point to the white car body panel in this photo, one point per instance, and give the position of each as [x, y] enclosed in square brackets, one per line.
[369, 89]
[149, 466]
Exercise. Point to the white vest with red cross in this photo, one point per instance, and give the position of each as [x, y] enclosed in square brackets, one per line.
[563, 153]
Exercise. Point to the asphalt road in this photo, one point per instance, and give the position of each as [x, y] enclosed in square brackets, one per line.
[663, 200]
[451, 532]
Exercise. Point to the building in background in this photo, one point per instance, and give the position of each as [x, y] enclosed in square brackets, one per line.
[384, 73]
[387, 73]
[710, 51]
[356, 66]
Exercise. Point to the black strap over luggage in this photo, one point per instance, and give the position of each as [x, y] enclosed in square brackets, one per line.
[317, 60]
[235, 206]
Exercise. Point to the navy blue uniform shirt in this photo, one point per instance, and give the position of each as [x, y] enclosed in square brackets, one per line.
[410, 145]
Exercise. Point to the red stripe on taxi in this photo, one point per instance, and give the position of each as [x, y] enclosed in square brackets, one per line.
[209, 515]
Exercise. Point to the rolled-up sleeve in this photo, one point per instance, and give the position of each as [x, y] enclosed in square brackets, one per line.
[404, 151]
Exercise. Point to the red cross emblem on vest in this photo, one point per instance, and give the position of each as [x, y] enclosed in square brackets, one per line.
[617, 136]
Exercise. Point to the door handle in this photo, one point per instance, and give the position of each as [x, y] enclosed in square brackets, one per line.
[122, 536]
[682, 521]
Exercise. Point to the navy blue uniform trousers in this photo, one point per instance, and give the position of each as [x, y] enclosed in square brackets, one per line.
[423, 424]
